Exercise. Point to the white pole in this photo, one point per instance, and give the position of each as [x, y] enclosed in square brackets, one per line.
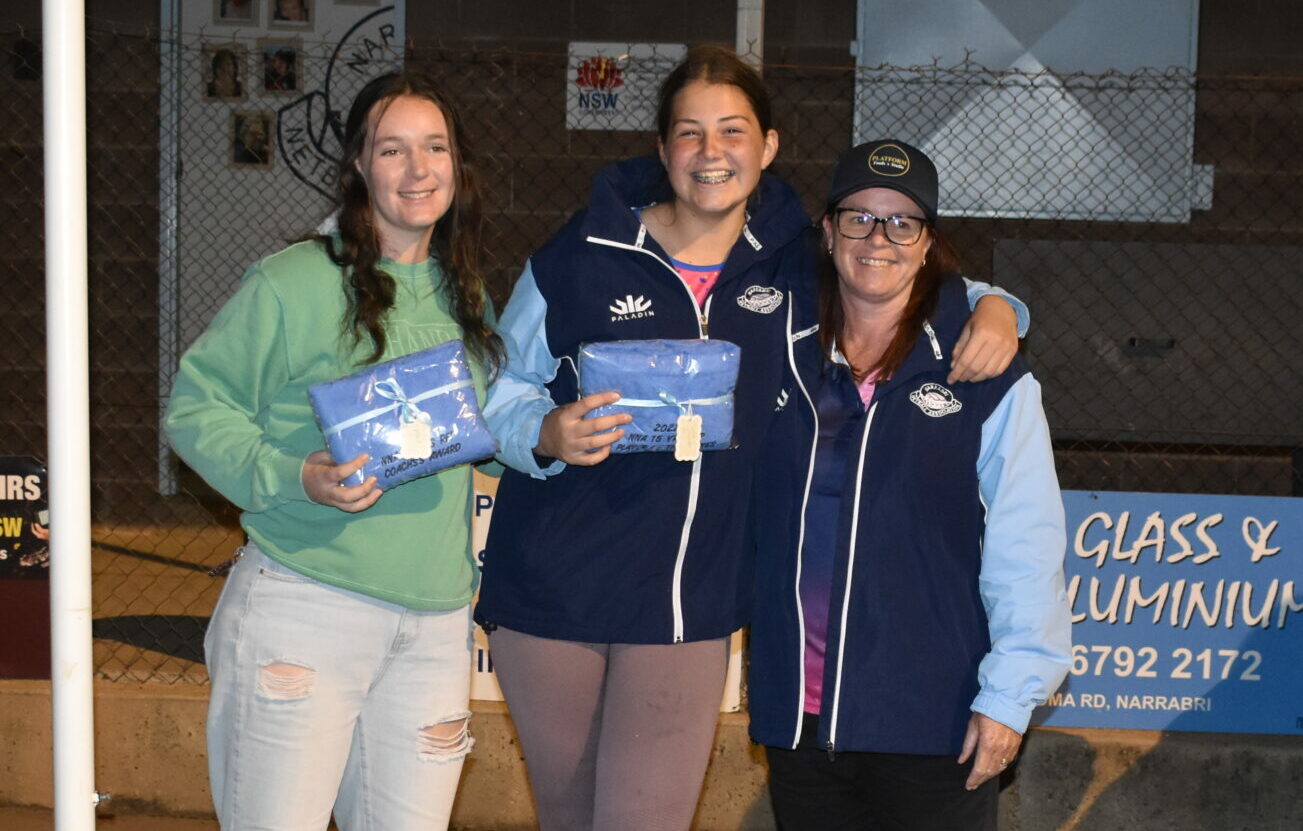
[169, 169]
[751, 31]
[67, 385]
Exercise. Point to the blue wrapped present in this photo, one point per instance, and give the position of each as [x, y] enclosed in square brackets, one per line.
[415, 415]
[659, 381]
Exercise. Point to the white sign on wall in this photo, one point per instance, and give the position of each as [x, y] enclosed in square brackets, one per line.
[613, 86]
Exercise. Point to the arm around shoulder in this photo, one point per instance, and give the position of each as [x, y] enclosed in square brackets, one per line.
[977, 291]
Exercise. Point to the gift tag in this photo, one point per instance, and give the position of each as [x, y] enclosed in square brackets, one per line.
[414, 440]
[687, 438]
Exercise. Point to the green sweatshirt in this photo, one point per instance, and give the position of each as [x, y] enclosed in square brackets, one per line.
[239, 416]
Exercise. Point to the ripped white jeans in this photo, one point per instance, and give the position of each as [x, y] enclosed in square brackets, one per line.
[323, 699]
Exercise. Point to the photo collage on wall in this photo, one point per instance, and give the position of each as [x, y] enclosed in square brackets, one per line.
[252, 77]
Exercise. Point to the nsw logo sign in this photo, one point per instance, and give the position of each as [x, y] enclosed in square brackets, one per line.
[612, 86]
[599, 76]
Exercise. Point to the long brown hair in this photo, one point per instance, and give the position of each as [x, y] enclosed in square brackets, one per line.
[455, 243]
[942, 260]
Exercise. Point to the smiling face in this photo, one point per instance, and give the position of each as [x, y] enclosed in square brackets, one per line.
[408, 166]
[714, 149]
[875, 271]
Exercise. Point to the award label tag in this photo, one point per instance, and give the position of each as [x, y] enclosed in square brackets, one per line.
[414, 440]
[687, 438]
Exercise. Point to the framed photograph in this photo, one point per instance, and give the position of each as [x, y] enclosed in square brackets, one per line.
[223, 67]
[291, 14]
[281, 61]
[235, 13]
[251, 137]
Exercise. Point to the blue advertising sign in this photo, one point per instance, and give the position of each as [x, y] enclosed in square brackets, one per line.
[1187, 613]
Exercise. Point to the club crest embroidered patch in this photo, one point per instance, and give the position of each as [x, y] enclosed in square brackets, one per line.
[935, 400]
[761, 299]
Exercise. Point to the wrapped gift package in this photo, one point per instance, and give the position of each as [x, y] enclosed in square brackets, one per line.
[415, 415]
[660, 381]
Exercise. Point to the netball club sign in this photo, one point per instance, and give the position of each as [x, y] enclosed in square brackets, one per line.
[1187, 613]
[612, 86]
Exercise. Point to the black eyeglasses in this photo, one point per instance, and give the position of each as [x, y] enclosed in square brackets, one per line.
[900, 229]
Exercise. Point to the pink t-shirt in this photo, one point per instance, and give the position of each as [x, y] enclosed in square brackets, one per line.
[866, 388]
[700, 279]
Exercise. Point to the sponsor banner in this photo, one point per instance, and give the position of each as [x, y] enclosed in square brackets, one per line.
[484, 685]
[612, 86]
[1187, 613]
[24, 518]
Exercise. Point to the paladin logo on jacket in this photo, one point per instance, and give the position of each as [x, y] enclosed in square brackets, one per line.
[631, 308]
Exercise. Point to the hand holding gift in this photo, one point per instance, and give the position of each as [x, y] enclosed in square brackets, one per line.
[570, 435]
[323, 481]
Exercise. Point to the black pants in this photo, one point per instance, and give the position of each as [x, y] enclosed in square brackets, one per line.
[874, 791]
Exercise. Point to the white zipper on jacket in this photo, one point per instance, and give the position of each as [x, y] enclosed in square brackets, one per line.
[850, 574]
[932, 336]
[694, 486]
[800, 539]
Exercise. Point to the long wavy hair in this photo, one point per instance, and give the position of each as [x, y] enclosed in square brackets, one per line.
[456, 242]
[942, 261]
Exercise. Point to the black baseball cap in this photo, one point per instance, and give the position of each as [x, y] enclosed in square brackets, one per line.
[887, 163]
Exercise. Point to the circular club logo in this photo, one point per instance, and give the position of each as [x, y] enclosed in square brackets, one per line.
[889, 160]
[761, 299]
[935, 400]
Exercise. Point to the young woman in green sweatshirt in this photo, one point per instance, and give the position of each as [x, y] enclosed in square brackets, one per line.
[339, 650]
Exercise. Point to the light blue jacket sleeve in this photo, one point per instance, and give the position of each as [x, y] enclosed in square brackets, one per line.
[977, 290]
[518, 399]
[1021, 580]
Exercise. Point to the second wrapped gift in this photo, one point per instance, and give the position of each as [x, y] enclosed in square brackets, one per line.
[660, 381]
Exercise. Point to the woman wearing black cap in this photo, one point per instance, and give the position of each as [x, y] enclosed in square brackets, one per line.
[910, 605]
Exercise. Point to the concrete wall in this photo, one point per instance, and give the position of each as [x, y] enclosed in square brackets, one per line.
[150, 755]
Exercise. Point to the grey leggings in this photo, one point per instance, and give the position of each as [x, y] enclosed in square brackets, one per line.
[616, 736]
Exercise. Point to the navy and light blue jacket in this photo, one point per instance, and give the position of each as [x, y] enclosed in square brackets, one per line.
[639, 548]
[947, 589]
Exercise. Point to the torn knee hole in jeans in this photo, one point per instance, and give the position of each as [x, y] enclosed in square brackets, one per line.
[447, 740]
[284, 681]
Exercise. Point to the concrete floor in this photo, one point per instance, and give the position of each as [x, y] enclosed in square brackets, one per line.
[41, 819]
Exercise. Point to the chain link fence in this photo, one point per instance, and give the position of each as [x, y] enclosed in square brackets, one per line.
[1167, 343]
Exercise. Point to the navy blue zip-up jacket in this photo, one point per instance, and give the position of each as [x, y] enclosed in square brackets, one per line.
[639, 548]
[915, 601]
